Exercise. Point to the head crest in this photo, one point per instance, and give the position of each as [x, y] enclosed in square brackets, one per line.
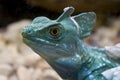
[67, 13]
[84, 22]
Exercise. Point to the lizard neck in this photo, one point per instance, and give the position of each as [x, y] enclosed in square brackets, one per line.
[86, 61]
[69, 67]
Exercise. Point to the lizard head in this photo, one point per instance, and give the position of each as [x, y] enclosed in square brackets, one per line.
[60, 37]
[50, 38]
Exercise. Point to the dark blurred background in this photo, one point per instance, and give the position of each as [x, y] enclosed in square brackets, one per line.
[19, 62]
[13, 10]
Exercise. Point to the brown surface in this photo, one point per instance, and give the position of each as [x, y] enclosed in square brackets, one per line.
[80, 5]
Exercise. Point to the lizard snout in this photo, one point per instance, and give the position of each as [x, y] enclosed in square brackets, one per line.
[26, 31]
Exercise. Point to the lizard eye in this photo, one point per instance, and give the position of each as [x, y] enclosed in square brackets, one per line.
[54, 31]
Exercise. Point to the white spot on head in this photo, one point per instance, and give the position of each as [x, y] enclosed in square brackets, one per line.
[76, 24]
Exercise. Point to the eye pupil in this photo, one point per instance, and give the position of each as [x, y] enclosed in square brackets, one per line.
[54, 31]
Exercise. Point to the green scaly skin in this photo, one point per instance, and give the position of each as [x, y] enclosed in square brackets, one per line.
[64, 48]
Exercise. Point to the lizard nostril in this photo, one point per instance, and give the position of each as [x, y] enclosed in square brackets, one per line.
[26, 30]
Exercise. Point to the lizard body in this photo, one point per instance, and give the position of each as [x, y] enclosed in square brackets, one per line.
[61, 43]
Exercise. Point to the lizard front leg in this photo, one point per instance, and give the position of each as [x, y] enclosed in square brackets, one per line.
[112, 74]
[95, 77]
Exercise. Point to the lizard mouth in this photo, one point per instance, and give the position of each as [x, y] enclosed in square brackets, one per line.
[28, 42]
[33, 43]
[29, 39]
[45, 46]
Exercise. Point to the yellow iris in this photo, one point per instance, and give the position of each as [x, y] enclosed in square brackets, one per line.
[54, 31]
